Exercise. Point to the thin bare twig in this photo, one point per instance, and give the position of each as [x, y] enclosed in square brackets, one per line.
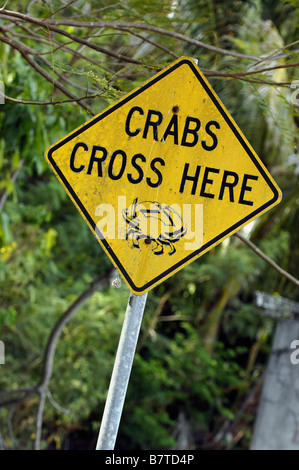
[268, 260]
[47, 103]
[20, 395]
[2, 8]
[51, 27]
[59, 9]
[128, 27]
[62, 46]
[150, 41]
[153, 29]
[25, 51]
[51, 346]
[13, 180]
[251, 72]
[174, 34]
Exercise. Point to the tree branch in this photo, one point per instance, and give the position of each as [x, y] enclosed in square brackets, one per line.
[166, 32]
[51, 346]
[47, 103]
[51, 27]
[62, 46]
[128, 27]
[25, 51]
[153, 29]
[42, 386]
[268, 260]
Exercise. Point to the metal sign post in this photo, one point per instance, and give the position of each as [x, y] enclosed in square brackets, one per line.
[121, 372]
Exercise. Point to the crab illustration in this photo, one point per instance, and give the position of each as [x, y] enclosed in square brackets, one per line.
[142, 217]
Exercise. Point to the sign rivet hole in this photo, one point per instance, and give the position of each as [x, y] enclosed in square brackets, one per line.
[175, 109]
[147, 241]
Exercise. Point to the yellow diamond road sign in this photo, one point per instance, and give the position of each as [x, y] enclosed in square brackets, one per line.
[163, 175]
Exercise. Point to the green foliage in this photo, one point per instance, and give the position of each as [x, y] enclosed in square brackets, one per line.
[99, 80]
[171, 376]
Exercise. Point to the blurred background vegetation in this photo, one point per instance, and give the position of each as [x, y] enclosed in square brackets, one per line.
[203, 346]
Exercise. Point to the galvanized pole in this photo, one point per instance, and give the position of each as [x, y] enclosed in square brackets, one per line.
[121, 372]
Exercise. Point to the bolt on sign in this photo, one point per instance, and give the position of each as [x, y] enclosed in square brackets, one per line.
[163, 175]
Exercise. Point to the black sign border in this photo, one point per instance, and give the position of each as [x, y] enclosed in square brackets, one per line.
[126, 99]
